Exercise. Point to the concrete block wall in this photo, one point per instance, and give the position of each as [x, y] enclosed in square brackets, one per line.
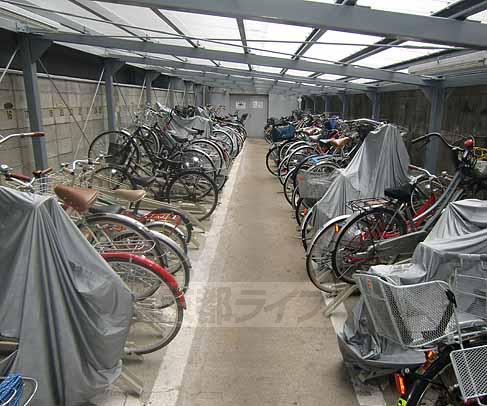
[63, 134]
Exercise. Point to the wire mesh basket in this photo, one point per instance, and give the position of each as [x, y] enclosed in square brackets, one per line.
[469, 366]
[413, 316]
[46, 184]
[361, 205]
[313, 185]
[137, 246]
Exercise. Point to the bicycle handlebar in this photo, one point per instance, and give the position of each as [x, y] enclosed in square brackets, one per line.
[428, 136]
[34, 134]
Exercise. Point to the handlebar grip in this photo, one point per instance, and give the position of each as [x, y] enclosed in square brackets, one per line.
[35, 134]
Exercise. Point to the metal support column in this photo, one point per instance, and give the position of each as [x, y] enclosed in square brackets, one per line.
[327, 103]
[31, 50]
[375, 99]
[437, 98]
[343, 99]
[187, 89]
[111, 67]
[204, 91]
[150, 76]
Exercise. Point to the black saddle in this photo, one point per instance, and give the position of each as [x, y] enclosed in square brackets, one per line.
[143, 181]
[401, 193]
[111, 209]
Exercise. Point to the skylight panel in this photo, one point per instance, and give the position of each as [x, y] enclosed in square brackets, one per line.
[419, 7]
[335, 53]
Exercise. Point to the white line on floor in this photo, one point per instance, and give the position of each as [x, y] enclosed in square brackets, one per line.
[367, 395]
[171, 372]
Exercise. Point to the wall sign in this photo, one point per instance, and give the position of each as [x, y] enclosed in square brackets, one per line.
[257, 104]
[240, 105]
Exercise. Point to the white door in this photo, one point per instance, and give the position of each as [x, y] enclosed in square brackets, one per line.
[256, 106]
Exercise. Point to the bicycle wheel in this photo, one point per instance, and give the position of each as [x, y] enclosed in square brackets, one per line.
[171, 231]
[288, 187]
[225, 140]
[272, 160]
[110, 178]
[118, 147]
[302, 208]
[362, 231]
[118, 233]
[318, 258]
[307, 229]
[196, 189]
[425, 190]
[196, 160]
[172, 216]
[438, 385]
[158, 318]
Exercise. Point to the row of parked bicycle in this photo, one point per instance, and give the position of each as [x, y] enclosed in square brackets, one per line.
[411, 242]
[136, 201]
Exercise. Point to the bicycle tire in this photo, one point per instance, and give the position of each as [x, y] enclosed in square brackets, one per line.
[377, 212]
[320, 273]
[271, 154]
[193, 199]
[101, 144]
[173, 300]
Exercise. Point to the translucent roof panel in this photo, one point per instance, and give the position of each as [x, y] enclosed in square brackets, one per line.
[206, 26]
[482, 17]
[395, 55]
[298, 72]
[234, 65]
[142, 17]
[267, 69]
[256, 30]
[420, 7]
[362, 81]
[68, 6]
[337, 52]
[328, 76]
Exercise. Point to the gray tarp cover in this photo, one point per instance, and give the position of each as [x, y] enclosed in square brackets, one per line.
[457, 241]
[380, 163]
[182, 126]
[68, 309]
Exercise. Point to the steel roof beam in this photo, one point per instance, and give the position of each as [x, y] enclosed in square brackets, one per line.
[358, 20]
[239, 72]
[459, 10]
[243, 37]
[199, 53]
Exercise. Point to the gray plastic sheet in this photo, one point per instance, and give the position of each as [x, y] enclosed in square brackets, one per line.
[380, 163]
[456, 246]
[183, 126]
[68, 310]
[313, 185]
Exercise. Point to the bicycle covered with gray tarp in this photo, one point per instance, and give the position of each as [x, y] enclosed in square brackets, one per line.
[67, 312]
[381, 162]
[457, 241]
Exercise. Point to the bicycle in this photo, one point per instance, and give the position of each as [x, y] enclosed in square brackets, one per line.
[355, 246]
[447, 321]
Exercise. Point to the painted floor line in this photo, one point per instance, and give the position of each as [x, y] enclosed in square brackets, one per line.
[367, 395]
[169, 380]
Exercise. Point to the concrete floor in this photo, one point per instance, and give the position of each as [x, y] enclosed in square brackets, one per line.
[266, 360]
[254, 332]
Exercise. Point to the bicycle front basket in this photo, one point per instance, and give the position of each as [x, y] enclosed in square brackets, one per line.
[413, 316]
[117, 153]
[480, 169]
[469, 366]
[313, 185]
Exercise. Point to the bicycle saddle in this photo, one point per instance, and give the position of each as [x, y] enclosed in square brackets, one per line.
[340, 143]
[401, 193]
[196, 131]
[111, 209]
[176, 137]
[79, 199]
[131, 196]
[143, 181]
